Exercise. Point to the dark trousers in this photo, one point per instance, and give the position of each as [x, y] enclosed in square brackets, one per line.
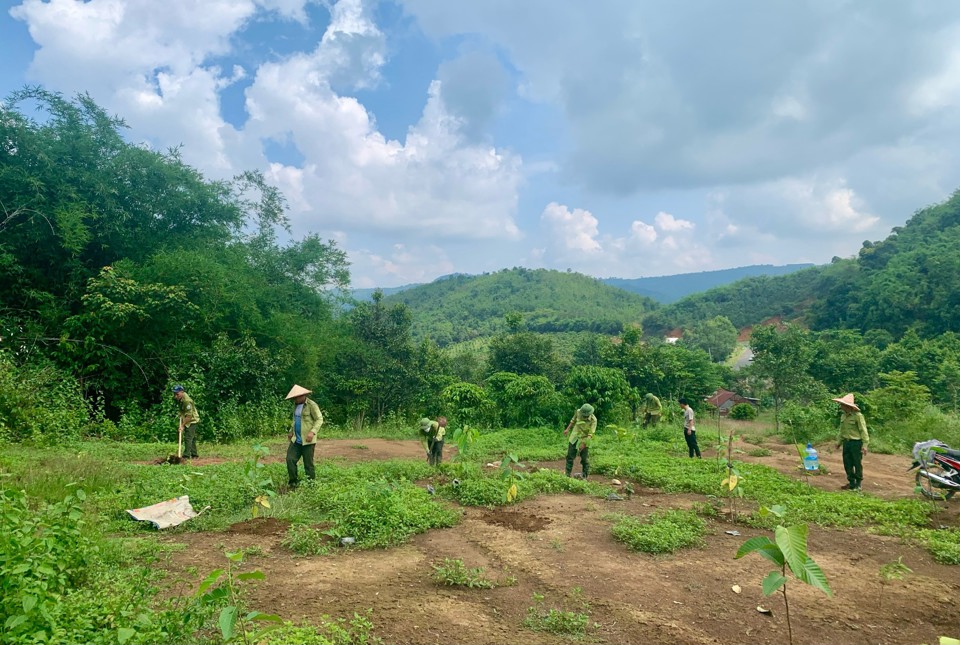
[190, 441]
[853, 461]
[294, 452]
[435, 452]
[584, 459]
[650, 419]
[692, 446]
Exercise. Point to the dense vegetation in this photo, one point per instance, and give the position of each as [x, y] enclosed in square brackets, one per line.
[461, 307]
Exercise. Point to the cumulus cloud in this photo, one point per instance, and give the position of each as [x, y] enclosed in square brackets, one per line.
[151, 63]
[473, 86]
[574, 241]
[401, 264]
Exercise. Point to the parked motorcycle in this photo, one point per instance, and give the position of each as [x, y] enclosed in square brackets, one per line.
[938, 476]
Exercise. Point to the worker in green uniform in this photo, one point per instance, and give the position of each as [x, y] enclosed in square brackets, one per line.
[189, 420]
[652, 409]
[302, 435]
[581, 429]
[853, 439]
[431, 436]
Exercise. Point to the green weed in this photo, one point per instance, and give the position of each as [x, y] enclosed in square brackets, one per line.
[759, 452]
[454, 573]
[661, 532]
[357, 631]
[558, 621]
[307, 540]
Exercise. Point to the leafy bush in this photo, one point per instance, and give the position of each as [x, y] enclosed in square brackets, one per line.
[743, 411]
[39, 402]
[558, 621]
[454, 573]
[307, 540]
[357, 631]
[661, 532]
[814, 422]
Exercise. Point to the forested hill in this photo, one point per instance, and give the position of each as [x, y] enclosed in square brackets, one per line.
[459, 308]
[910, 280]
[671, 288]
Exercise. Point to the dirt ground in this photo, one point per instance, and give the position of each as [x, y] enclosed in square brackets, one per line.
[553, 544]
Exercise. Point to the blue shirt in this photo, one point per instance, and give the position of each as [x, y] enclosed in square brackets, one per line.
[297, 418]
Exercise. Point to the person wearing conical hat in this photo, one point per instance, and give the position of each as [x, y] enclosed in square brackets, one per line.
[853, 439]
[302, 436]
[581, 429]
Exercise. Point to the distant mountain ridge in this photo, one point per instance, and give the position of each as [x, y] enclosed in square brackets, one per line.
[665, 289]
[671, 288]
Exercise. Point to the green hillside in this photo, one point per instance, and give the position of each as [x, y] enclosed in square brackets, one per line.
[910, 280]
[671, 288]
[460, 308]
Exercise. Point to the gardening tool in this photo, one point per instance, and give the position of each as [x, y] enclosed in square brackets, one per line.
[177, 458]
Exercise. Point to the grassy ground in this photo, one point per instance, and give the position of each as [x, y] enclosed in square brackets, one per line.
[378, 504]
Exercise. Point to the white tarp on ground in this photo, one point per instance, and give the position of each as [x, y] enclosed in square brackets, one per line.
[169, 513]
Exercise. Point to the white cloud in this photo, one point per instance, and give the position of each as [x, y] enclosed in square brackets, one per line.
[667, 222]
[402, 264]
[574, 232]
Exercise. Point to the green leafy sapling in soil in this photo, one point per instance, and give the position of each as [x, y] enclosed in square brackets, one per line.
[788, 551]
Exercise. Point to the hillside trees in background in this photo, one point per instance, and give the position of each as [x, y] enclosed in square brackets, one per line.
[716, 336]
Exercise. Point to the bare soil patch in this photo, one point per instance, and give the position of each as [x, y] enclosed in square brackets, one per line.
[634, 598]
[260, 526]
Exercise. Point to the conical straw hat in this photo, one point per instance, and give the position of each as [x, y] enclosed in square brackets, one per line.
[296, 391]
[847, 401]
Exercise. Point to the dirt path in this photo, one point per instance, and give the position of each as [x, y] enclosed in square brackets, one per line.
[550, 545]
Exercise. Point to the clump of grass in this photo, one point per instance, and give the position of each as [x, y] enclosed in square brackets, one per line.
[306, 540]
[759, 452]
[454, 573]
[558, 621]
[661, 532]
[943, 544]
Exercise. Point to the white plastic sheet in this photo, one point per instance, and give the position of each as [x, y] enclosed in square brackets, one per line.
[165, 514]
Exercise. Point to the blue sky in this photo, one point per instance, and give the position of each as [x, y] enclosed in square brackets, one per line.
[617, 138]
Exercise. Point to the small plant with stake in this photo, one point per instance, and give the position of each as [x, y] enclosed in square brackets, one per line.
[511, 476]
[464, 437]
[259, 486]
[892, 571]
[731, 483]
[788, 550]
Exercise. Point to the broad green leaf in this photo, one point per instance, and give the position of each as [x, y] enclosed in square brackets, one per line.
[814, 576]
[228, 619]
[259, 615]
[772, 582]
[792, 541]
[946, 640]
[28, 602]
[124, 634]
[763, 546]
[251, 575]
[209, 580]
[14, 621]
[235, 556]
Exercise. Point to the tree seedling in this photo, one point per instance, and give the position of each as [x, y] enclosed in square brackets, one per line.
[788, 550]
[511, 476]
[234, 625]
[892, 571]
[259, 486]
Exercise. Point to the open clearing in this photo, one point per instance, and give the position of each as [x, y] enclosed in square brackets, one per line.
[552, 544]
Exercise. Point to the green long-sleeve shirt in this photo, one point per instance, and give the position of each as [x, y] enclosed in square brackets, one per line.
[854, 426]
[188, 410]
[652, 405]
[582, 429]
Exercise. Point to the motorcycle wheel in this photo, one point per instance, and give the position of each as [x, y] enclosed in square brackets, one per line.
[927, 487]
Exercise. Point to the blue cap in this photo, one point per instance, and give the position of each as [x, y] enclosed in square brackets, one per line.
[177, 388]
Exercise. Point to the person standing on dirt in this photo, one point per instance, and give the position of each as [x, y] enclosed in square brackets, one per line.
[431, 436]
[690, 428]
[853, 439]
[307, 420]
[652, 409]
[189, 420]
[581, 429]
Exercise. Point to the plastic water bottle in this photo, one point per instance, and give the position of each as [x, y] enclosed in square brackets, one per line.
[811, 461]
